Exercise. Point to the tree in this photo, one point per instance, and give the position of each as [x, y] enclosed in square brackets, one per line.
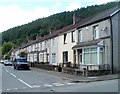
[6, 47]
[23, 54]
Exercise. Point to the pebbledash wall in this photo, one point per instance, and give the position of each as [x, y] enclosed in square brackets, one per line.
[63, 46]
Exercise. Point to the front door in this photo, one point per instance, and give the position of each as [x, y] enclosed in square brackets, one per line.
[80, 56]
[65, 57]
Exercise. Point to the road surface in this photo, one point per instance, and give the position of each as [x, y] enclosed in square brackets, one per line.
[39, 81]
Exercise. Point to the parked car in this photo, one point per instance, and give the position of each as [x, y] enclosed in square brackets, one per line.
[2, 61]
[21, 63]
[7, 62]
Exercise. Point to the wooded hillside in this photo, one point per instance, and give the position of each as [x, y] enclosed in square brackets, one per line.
[41, 27]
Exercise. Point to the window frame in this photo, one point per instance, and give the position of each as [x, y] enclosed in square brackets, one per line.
[95, 32]
[65, 38]
[80, 35]
[73, 36]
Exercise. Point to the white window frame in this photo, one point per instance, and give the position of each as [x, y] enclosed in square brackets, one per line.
[79, 35]
[98, 54]
[41, 46]
[41, 57]
[73, 36]
[53, 42]
[95, 32]
[53, 58]
[65, 38]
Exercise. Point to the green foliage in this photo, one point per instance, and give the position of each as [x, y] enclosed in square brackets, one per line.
[7, 57]
[22, 54]
[7, 46]
[43, 26]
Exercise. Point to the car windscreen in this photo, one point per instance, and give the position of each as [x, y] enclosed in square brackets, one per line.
[21, 60]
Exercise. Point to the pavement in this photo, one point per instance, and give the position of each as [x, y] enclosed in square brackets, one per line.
[79, 78]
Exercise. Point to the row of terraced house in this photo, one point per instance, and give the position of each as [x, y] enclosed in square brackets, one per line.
[90, 44]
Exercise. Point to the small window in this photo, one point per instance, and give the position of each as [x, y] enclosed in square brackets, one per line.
[95, 32]
[65, 38]
[40, 46]
[53, 42]
[45, 44]
[53, 57]
[73, 36]
[80, 36]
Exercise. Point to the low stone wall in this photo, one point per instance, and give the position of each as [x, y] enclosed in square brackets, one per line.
[45, 66]
[96, 72]
[85, 72]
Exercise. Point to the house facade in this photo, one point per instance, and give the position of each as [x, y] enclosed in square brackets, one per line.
[67, 40]
[93, 48]
[91, 44]
[97, 46]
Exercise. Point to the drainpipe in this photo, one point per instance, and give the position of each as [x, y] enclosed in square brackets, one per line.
[111, 45]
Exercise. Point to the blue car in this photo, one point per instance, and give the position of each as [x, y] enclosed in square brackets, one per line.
[21, 63]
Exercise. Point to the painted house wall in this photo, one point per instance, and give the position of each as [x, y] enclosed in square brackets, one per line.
[87, 35]
[53, 50]
[115, 30]
[66, 47]
[87, 32]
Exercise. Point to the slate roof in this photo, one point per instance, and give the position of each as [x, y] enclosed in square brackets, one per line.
[100, 16]
[87, 21]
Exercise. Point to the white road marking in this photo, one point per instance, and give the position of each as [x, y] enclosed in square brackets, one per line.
[92, 77]
[70, 83]
[6, 70]
[13, 75]
[8, 89]
[25, 83]
[47, 85]
[35, 86]
[58, 84]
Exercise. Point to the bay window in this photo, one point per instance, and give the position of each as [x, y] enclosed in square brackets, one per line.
[93, 55]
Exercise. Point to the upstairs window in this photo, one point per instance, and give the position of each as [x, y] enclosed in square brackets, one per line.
[45, 44]
[73, 36]
[65, 38]
[79, 35]
[40, 46]
[95, 32]
[53, 42]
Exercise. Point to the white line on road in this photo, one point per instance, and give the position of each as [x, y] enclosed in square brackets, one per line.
[47, 85]
[8, 89]
[70, 83]
[6, 70]
[35, 86]
[13, 75]
[25, 83]
[58, 84]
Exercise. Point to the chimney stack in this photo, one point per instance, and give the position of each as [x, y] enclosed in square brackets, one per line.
[76, 18]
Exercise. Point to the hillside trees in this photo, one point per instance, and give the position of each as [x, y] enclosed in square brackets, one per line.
[42, 26]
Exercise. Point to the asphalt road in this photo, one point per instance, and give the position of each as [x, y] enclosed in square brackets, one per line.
[39, 81]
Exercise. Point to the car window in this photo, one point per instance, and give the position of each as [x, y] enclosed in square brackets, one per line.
[21, 60]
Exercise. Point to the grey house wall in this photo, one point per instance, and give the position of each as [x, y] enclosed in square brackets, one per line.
[115, 31]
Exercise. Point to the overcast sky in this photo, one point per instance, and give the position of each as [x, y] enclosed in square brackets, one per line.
[18, 12]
